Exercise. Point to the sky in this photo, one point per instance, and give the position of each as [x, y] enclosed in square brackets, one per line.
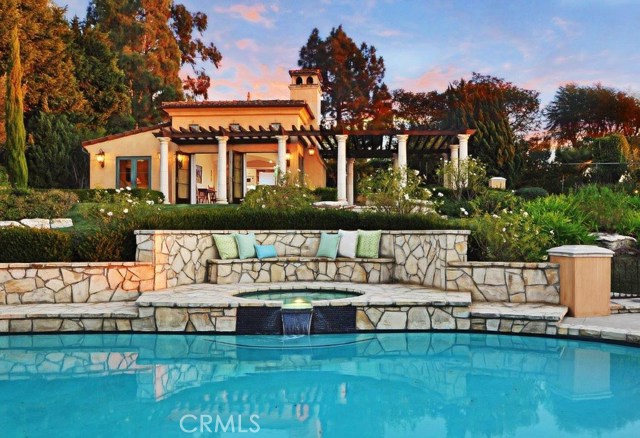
[536, 44]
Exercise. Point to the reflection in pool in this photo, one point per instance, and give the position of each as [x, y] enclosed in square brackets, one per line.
[307, 295]
[369, 385]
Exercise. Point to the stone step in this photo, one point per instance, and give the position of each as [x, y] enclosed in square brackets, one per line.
[225, 296]
[71, 310]
[527, 311]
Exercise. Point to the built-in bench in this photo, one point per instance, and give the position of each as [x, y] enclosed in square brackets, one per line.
[300, 268]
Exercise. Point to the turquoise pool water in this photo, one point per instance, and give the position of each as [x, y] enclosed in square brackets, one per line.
[307, 295]
[382, 385]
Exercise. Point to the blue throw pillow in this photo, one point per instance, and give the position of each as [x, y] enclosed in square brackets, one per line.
[328, 245]
[246, 248]
[265, 251]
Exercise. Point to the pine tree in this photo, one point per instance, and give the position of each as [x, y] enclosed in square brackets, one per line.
[16, 135]
[354, 92]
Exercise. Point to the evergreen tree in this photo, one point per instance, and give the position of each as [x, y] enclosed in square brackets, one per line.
[153, 39]
[48, 71]
[100, 80]
[354, 92]
[55, 156]
[16, 136]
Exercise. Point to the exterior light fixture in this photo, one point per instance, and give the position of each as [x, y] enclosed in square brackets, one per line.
[180, 158]
[312, 151]
[100, 158]
[274, 126]
[235, 127]
[288, 156]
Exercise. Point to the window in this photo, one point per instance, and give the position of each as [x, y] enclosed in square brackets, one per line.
[298, 80]
[133, 172]
[310, 80]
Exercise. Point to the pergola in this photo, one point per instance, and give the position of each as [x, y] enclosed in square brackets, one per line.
[340, 144]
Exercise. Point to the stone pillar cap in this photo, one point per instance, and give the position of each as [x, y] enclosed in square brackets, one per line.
[499, 178]
[580, 251]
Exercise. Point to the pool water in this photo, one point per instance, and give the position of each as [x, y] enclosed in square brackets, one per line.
[365, 385]
[291, 295]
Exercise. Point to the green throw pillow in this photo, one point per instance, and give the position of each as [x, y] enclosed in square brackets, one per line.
[328, 245]
[226, 245]
[368, 244]
[246, 248]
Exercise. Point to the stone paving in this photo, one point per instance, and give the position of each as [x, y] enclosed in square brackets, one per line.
[616, 327]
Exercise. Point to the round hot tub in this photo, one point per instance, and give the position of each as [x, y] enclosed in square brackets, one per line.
[298, 295]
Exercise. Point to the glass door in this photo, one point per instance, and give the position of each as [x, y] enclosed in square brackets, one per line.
[183, 179]
[237, 179]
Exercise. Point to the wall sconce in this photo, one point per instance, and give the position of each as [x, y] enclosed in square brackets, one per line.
[312, 151]
[100, 158]
[180, 158]
[288, 159]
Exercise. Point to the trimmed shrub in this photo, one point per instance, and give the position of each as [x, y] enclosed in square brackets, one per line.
[532, 192]
[26, 245]
[282, 219]
[108, 195]
[454, 207]
[29, 204]
[104, 245]
[326, 193]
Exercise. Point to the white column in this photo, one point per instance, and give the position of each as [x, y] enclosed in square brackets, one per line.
[164, 167]
[193, 196]
[463, 139]
[455, 177]
[342, 167]
[350, 166]
[402, 149]
[455, 155]
[282, 155]
[221, 192]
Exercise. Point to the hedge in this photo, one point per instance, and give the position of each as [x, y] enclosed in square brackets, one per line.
[308, 219]
[45, 204]
[326, 193]
[26, 245]
[532, 192]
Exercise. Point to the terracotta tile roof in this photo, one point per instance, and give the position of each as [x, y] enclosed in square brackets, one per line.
[235, 103]
[125, 134]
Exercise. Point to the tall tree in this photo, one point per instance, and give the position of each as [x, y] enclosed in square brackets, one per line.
[482, 107]
[154, 38]
[577, 112]
[16, 135]
[100, 80]
[55, 156]
[425, 110]
[354, 92]
[48, 72]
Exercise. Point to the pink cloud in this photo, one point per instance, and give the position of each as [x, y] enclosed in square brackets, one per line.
[253, 14]
[247, 44]
[437, 78]
[265, 82]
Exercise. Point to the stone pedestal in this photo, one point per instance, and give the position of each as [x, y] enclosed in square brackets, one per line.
[497, 182]
[585, 279]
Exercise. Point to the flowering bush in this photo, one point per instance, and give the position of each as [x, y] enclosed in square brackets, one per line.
[397, 190]
[509, 236]
[465, 178]
[290, 192]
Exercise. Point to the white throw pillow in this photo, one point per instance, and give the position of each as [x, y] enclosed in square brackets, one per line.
[348, 244]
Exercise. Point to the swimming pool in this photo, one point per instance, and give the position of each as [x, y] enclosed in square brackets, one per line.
[366, 385]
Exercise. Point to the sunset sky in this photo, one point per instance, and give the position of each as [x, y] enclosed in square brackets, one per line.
[427, 44]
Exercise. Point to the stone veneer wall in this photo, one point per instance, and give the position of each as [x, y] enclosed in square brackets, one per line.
[300, 269]
[506, 281]
[26, 283]
[180, 257]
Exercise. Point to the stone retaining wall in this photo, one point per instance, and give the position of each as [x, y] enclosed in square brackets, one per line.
[28, 283]
[300, 269]
[180, 257]
[506, 281]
